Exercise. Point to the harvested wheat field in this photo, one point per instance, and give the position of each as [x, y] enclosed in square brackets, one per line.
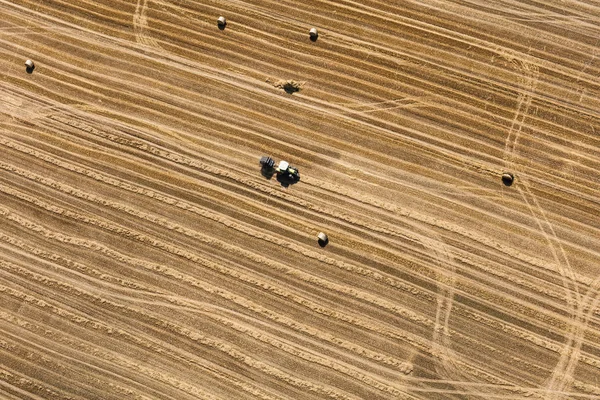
[145, 256]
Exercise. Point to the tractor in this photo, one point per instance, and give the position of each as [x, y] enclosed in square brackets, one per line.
[286, 174]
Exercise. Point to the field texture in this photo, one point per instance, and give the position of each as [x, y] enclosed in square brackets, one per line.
[144, 256]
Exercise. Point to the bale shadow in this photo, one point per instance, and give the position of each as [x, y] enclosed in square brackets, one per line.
[291, 89]
[29, 70]
[289, 86]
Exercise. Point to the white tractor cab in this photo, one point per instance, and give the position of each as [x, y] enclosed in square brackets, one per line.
[286, 174]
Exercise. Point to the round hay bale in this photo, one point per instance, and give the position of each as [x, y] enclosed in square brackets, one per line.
[29, 66]
[221, 22]
[323, 239]
[508, 178]
[314, 34]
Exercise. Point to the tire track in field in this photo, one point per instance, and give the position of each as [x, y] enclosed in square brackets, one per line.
[447, 368]
[564, 373]
[561, 376]
[140, 26]
[558, 379]
[523, 103]
[527, 82]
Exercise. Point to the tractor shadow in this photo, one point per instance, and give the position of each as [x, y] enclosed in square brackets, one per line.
[284, 181]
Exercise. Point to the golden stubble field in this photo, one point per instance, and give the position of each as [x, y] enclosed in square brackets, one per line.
[144, 256]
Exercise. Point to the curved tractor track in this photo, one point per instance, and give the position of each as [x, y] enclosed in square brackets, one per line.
[144, 256]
